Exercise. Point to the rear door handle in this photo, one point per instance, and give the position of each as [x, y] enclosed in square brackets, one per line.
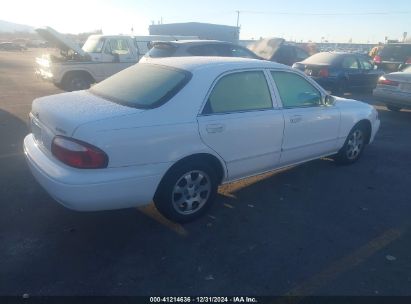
[215, 128]
[296, 118]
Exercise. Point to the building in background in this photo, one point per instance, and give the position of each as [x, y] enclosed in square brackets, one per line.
[201, 30]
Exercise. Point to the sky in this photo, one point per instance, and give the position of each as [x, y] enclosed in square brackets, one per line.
[315, 20]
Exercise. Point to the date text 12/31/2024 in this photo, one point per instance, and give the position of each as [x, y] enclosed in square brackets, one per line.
[238, 299]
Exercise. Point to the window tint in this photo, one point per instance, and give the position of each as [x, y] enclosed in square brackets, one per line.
[240, 52]
[285, 53]
[295, 91]
[350, 63]
[94, 45]
[365, 64]
[301, 54]
[119, 46]
[239, 92]
[210, 50]
[396, 51]
[142, 85]
[203, 50]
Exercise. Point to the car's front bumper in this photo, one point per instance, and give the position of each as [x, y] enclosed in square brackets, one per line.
[92, 189]
[400, 99]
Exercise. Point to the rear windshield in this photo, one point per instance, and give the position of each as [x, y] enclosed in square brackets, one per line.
[395, 51]
[322, 58]
[162, 50]
[142, 85]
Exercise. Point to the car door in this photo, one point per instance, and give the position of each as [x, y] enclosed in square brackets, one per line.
[310, 127]
[370, 75]
[352, 72]
[240, 123]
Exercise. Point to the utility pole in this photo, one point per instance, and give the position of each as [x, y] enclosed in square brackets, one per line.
[238, 18]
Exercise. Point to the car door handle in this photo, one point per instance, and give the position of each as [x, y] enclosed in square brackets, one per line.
[215, 128]
[296, 118]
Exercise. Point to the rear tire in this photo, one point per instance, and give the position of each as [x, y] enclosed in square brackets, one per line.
[393, 108]
[354, 145]
[186, 191]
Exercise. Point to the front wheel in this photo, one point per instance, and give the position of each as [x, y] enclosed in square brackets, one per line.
[353, 147]
[186, 192]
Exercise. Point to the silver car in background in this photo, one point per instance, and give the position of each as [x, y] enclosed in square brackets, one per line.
[394, 90]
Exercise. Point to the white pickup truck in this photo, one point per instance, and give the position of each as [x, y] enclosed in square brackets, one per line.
[100, 57]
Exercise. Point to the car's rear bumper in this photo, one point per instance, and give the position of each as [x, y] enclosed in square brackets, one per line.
[400, 99]
[92, 190]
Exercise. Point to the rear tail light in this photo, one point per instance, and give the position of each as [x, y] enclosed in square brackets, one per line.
[408, 61]
[388, 82]
[377, 59]
[78, 154]
[323, 72]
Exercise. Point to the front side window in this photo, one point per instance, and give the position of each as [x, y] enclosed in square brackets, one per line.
[295, 91]
[238, 92]
[142, 85]
[93, 45]
[119, 46]
[366, 64]
[350, 63]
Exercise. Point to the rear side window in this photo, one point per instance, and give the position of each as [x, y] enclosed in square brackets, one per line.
[295, 91]
[350, 63]
[162, 50]
[142, 85]
[237, 92]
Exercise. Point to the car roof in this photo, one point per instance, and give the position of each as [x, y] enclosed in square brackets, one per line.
[196, 63]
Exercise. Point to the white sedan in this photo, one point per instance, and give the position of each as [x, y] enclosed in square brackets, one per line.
[172, 130]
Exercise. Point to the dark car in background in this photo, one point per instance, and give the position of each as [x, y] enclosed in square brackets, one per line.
[197, 48]
[341, 72]
[393, 57]
[279, 50]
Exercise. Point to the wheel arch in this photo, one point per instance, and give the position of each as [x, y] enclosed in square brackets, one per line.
[367, 125]
[215, 162]
[81, 72]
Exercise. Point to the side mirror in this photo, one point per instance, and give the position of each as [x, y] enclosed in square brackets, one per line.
[329, 100]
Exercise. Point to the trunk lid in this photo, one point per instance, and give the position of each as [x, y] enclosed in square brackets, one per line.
[51, 35]
[62, 114]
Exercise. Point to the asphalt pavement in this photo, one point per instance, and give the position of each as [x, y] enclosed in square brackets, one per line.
[313, 229]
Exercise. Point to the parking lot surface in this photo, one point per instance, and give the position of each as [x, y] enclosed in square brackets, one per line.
[313, 229]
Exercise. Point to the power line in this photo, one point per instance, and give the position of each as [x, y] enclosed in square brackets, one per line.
[326, 14]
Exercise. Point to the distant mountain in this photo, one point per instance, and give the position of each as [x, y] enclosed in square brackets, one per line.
[10, 27]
